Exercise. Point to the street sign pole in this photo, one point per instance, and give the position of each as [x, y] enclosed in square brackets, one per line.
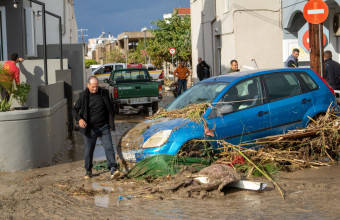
[172, 57]
[316, 12]
[322, 63]
[316, 55]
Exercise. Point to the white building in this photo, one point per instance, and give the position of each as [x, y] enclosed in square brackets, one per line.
[95, 42]
[245, 30]
[63, 8]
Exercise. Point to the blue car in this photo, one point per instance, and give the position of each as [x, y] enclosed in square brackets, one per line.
[244, 106]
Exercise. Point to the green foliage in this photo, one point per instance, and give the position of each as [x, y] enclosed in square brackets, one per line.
[174, 32]
[6, 82]
[208, 152]
[21, 93]
[115, 56]
[5, 105]
[248, 169]
[90, 62]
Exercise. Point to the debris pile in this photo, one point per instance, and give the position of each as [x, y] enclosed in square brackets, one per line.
[316, 145]
[193, 112]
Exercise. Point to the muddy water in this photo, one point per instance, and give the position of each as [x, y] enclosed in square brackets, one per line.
[48, 193]
[60, 192]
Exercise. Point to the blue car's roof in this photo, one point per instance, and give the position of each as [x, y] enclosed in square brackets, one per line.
[230, 77]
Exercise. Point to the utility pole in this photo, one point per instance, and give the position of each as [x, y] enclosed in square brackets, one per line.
[315, 41]
[82, 35]
[316, 12]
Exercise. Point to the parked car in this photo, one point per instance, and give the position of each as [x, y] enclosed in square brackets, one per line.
[134, 87]
[104, 71]
[244, 106]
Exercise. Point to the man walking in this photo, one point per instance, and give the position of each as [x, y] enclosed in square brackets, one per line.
[95, 113]
[234, 66]
[292, 60]
[182, 73]
[203, 69]
[332, 70]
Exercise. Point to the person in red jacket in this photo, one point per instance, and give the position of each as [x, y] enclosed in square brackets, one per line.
[14, 72]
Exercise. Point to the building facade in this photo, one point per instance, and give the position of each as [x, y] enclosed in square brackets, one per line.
[294, 26]
[21, 26]
[248, 31]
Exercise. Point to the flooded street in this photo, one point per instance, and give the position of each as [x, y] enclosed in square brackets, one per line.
[60, 192]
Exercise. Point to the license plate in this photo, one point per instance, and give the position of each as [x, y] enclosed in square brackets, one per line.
[129, 156]
[138, 100]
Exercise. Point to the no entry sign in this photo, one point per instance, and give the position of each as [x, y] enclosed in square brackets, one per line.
[315, 11]
[303, 37]
[305, 40]
[172, 51]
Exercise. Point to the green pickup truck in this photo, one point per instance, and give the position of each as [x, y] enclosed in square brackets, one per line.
[134, 87]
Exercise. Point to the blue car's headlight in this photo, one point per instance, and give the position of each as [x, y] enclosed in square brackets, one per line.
[157, 139]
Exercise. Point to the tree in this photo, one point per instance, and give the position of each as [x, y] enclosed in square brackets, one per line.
[115, 56]
[89, 62]
[174, 32]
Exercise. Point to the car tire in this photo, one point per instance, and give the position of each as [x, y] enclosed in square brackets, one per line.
[116, 109]
[154, 107]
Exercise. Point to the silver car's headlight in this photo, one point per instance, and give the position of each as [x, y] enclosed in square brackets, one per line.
[157, 139]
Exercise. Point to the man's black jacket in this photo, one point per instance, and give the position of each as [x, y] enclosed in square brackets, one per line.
[203, 70]
[332, 73]
[81, 109]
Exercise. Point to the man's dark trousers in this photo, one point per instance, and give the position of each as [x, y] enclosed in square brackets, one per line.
[90, 143]
[181, 83]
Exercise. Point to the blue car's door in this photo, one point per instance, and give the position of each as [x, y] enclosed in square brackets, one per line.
[288, 104]
[241, 114]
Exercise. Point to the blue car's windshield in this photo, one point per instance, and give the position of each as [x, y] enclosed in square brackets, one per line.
[199, 93]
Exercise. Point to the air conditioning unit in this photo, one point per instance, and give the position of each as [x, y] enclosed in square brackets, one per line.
[336, 25]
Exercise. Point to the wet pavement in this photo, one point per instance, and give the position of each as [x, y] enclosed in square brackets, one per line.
[60, 192]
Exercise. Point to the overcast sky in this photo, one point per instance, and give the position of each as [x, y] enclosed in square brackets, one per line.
[117, 16]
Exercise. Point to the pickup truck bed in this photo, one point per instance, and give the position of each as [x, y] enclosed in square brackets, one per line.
[134, 87]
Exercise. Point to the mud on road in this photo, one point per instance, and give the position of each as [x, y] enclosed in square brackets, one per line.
[61, 192]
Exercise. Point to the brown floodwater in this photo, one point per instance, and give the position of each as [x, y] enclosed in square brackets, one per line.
[60, 192]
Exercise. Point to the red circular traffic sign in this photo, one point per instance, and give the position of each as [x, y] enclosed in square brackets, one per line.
[315, 11]
[305, 40]
[172, 51]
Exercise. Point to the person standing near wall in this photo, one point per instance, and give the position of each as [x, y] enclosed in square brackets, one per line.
[14, 72]
[234, 66]
[332, 71]
[94, 111]
[292, 60]
[203, 69]
[182, 73]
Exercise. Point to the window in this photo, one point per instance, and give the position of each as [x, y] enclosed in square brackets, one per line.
[3, 34]
[244, 95]
[30, 27]
[130, 75]
[99, 71]
[118, 67]
[282, 85]
[311, 85]
[199, 93]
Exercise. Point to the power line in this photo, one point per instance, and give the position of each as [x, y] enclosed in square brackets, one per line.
[82, 35]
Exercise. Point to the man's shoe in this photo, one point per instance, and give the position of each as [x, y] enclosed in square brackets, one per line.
[88, 175]
[114, 173]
